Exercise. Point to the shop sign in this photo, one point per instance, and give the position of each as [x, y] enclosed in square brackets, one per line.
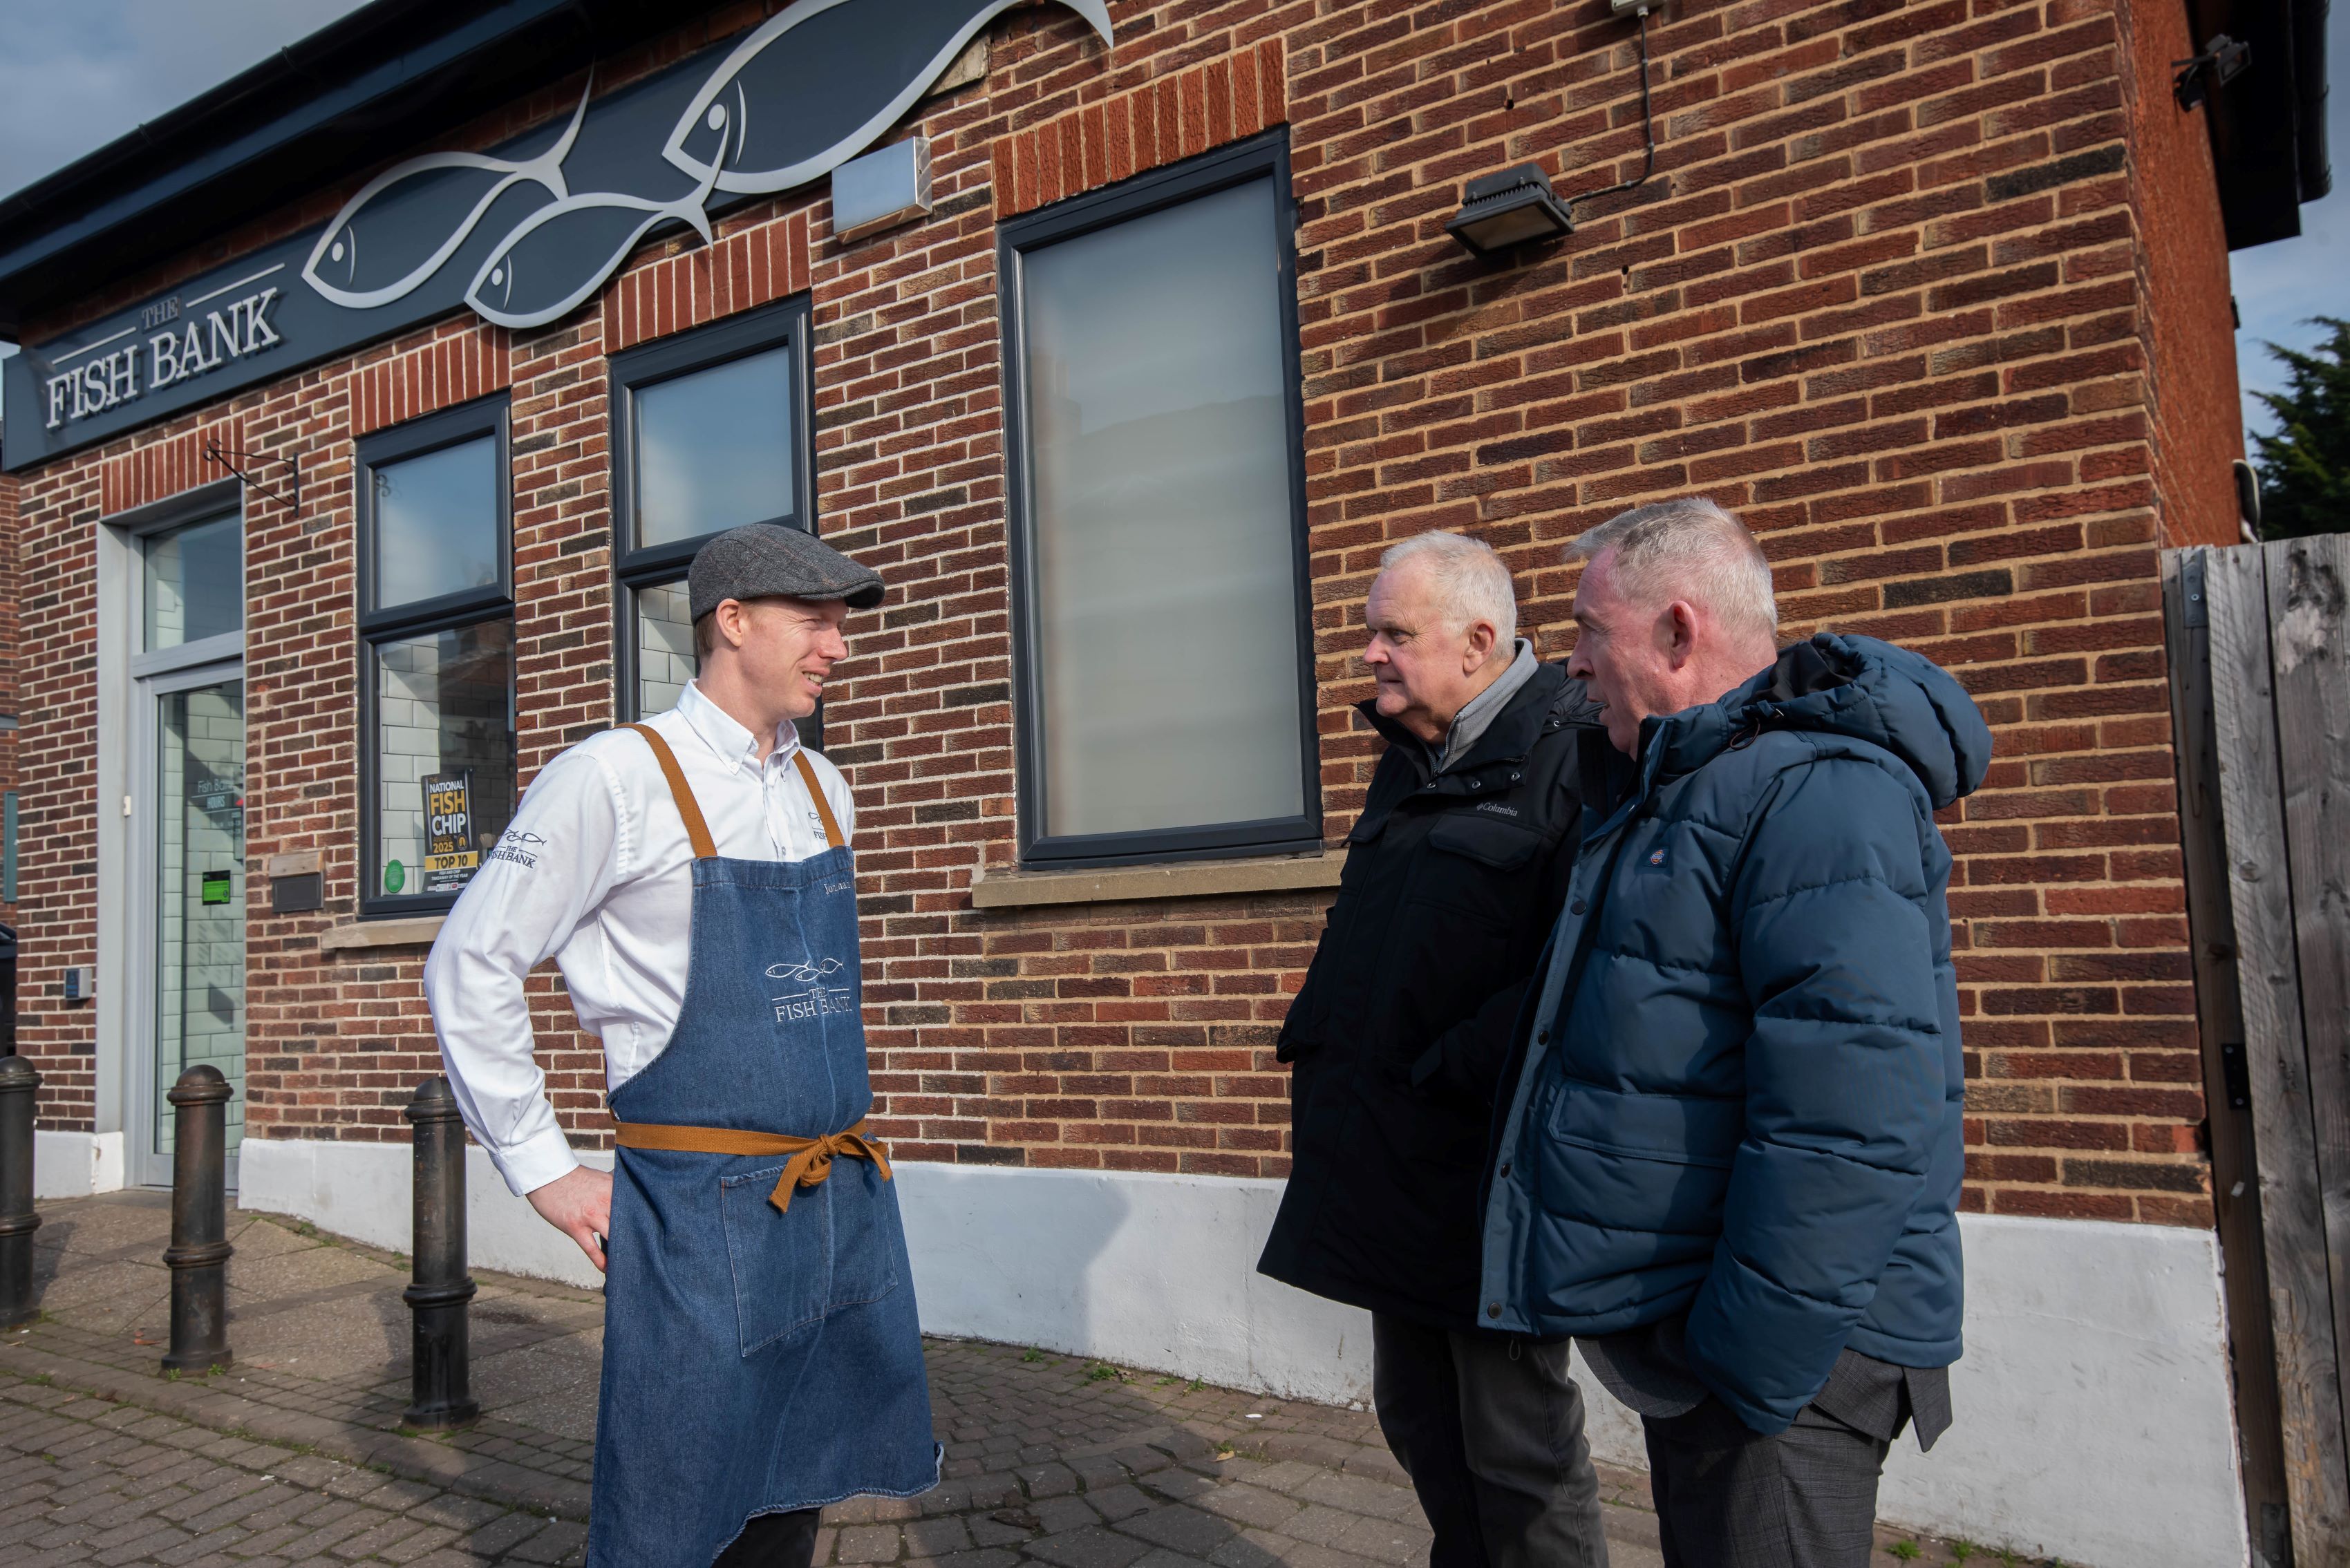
[522, 234]
[451, 858]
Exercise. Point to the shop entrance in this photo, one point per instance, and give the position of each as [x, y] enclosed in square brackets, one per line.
[187, 811]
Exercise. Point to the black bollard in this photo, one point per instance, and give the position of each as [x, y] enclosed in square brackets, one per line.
[198, 1253]
[440, 1299]
[19, 1084]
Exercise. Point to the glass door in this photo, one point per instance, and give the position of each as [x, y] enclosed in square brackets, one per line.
[186, 834]
[200, 894]
[196, 1010]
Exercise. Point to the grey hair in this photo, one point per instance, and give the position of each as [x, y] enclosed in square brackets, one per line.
[1692, 549]
[1470, 580]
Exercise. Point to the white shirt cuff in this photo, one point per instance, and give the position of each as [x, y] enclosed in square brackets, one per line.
[542, 1157]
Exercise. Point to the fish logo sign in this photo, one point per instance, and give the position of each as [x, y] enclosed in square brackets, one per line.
[780, 153]
[779, 110]
[338, 267]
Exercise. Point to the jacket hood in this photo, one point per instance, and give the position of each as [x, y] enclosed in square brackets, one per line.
[1855, 686]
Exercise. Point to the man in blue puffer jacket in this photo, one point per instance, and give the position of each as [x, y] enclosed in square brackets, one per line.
[1728, 1151]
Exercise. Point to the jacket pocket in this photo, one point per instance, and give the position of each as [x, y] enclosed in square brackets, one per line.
[838, 1246]
[1476, 867]
[1679, 1129]
[1487, 840]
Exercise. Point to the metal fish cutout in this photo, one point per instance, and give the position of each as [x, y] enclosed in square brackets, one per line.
[561, 253]
[338, 263]
[810, 121]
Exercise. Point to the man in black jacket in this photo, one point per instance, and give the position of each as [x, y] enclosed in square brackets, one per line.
[1455, 872]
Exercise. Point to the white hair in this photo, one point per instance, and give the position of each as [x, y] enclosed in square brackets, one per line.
[1687, 549]
[1470, 581]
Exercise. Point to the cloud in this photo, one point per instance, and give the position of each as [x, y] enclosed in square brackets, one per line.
[77, 74]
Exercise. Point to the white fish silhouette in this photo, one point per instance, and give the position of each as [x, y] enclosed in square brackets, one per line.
[576, 241]
[333, 268]
[818, 970]
[809, 128]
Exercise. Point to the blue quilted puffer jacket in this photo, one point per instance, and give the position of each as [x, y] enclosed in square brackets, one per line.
[1738, 1089]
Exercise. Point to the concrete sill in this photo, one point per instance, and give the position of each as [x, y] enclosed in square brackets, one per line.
[414, 933]
[1185, 879]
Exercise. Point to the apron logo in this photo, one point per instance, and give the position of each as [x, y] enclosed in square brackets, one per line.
[818, 1000]
[812, 971]
[843, 886]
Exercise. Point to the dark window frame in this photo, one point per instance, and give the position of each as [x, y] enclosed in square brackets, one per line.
[1265, 156]
[784, 324]
[489, 417]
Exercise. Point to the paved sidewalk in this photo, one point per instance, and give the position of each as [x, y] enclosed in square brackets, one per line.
[296, 1455]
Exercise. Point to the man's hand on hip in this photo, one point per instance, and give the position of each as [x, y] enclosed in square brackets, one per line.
[578, 1204]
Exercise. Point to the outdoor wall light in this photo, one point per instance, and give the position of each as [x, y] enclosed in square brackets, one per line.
[1514, 207]
[1517, 206]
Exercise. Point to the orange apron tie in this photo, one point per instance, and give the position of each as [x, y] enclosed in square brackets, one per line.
[810, 1163]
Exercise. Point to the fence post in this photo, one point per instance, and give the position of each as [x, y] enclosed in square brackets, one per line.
[19, 1085]
[442, 1297]
[198, 1253]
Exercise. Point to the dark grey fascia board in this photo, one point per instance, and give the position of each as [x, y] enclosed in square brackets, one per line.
[347, 99]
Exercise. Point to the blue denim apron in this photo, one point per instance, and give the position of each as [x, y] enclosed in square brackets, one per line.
[761, 1348]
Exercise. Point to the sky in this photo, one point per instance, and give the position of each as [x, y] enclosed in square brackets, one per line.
[2279, 286]
[76, 73]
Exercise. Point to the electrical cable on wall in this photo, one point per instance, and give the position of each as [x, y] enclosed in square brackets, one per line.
[1647, 128]
[1515, 207]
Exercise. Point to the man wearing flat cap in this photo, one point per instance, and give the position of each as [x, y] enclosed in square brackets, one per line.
[691, 876]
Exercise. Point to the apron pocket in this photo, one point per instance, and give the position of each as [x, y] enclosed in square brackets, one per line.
[867, 1239]
[839, 1246]
[778, 1260]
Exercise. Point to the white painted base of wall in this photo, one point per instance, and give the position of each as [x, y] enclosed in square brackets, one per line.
[363, 1190]
[76, 1164]
[2094, 1421]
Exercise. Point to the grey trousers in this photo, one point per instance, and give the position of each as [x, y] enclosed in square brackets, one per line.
[1490, 1429]
[1728, 1497]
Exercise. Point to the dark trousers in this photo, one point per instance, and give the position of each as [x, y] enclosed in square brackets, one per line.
[1490, 1429]
[1728, 1497]
[773, 1540]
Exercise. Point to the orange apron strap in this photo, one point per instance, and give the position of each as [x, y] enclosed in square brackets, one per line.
[697, 831]
[811, 1157]
[823, 807]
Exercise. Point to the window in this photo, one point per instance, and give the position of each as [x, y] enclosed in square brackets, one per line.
[713, 434]
[436, 679]
[1161, 631]
[191, 582]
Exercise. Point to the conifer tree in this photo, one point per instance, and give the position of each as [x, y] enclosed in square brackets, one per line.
[2304, 466]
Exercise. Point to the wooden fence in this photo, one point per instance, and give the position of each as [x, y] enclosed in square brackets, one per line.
[2260, 659]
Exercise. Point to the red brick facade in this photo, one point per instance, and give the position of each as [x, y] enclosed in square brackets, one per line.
[1895, 291]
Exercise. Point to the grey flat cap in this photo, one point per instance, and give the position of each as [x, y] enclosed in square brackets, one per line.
[762, 560]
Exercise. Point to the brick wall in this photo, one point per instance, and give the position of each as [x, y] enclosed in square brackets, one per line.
[1889, 292]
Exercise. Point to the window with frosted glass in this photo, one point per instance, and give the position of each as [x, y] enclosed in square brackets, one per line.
[1162, 631]
[712, 428]
[436, 625]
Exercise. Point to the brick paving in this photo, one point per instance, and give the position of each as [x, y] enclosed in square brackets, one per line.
[296, 1453]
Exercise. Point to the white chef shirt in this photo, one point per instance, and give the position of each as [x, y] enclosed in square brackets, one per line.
[596, 872]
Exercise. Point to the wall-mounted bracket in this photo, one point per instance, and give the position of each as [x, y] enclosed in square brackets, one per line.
[237, 462]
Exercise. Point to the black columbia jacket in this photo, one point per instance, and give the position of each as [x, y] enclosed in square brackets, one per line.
[1397, 1039]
